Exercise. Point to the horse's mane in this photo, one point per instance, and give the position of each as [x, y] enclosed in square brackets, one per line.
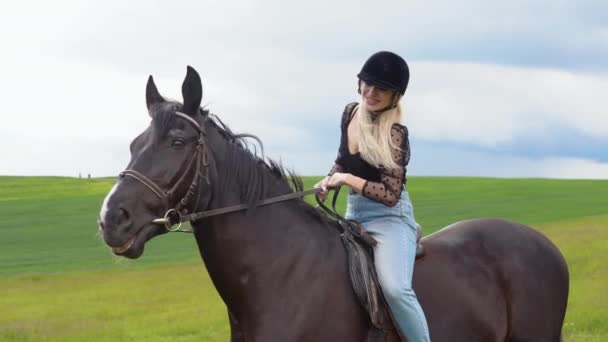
[258, 177]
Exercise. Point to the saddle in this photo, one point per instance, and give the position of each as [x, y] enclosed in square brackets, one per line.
[359, 246]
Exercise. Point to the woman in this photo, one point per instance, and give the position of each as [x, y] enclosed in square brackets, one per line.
[372, 160]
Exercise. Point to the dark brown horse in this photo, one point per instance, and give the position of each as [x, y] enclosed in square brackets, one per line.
[281, 269]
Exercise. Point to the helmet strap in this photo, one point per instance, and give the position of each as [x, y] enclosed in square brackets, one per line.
[393, 106]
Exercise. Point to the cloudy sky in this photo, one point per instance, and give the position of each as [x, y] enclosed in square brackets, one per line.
[505, 89]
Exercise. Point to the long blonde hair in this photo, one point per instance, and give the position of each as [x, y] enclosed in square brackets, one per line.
[375, 144]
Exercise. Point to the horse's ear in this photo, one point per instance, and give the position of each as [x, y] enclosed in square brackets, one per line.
[152, 95]
[192, 91]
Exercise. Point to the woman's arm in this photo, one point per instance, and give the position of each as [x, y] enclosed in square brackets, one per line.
[388, 189]
[352, 181]
[337, 168]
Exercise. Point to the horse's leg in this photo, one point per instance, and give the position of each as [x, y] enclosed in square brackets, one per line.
[537, 306]
[236, 332]
[525, 272]
[459, 295]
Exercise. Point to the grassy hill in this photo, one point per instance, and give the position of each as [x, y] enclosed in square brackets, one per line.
[59, 282]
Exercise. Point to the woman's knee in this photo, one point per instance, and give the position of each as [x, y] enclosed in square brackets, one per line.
[394, 290]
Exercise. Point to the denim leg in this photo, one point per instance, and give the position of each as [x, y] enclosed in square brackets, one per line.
[394, 255]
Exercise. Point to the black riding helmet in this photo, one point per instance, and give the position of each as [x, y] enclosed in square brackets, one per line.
[387, 70]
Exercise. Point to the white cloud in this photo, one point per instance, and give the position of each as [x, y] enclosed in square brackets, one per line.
[73, 74]
[573, 168]
[492, 105]
[451, 161]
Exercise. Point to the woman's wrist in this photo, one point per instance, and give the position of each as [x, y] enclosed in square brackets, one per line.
[354, 182]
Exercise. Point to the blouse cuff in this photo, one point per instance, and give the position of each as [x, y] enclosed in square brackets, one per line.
[336, 168]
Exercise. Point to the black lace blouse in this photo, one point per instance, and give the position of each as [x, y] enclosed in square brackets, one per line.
[382, 184]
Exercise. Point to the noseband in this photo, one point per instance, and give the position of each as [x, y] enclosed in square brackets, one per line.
[199, 163]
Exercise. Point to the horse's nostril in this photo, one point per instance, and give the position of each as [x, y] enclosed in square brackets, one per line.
[124, 214]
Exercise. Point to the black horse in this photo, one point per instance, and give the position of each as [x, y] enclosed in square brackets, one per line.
[281, 269]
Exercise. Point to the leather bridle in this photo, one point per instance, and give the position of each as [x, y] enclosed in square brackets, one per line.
[200, 163]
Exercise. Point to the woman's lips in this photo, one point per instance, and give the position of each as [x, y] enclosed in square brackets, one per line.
[371, 102]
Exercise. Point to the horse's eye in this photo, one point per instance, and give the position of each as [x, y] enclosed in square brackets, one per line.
[178, 143]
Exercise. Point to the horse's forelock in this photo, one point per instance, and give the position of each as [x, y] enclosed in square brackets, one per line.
[164, 118]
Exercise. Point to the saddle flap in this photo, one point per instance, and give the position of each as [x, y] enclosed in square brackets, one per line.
[365, 284]
[359, 247]
[356, 229]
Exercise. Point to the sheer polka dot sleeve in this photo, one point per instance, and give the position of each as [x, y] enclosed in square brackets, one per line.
[336, 168]
[388, 190]
[346, 117]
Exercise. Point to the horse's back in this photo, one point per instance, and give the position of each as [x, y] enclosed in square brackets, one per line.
[506, 277]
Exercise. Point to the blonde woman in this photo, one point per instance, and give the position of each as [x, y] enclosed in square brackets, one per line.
[372, 160]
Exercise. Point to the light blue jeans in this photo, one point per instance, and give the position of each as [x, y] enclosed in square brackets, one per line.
[395, 230]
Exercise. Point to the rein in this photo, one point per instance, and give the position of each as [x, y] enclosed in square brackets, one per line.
[168, 221]
[180, 213]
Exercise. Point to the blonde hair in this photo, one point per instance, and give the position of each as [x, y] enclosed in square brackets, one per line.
[375, 144]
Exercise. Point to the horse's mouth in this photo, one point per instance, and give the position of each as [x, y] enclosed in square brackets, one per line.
[134, 247]
[120, 250]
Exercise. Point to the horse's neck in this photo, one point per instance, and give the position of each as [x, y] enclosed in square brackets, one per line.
[244, 253]
[242, 246]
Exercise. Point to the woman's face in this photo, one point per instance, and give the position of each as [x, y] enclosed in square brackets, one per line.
[376, 98]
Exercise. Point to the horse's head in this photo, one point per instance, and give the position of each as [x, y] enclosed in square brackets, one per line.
[167, 174]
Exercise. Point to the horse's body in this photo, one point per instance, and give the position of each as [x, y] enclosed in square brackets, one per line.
[282, 273]
[282, 269]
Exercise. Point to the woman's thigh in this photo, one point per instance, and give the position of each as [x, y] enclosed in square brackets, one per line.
[395, 252]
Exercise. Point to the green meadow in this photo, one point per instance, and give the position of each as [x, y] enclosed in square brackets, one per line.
[58, 282]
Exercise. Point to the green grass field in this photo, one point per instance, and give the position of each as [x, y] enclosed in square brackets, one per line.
[60, 283]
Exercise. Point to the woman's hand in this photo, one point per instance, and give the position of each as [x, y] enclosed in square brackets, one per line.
[338, 179]
[330, 182]
[322, 184]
